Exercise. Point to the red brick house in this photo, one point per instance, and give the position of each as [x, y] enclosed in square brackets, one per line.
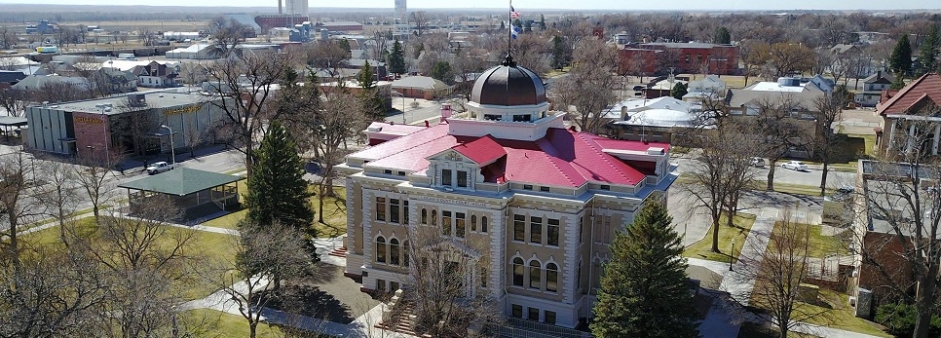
[655, 58]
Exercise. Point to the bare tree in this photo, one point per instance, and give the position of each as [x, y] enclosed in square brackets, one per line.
[339, 120]
[18, 206]
[328, 57]
[246, 85]
[227, 34]
[590, 85]
[260, 251]
[778, 273]
[193, 137]
[93, 178]
[7, 37]
[464, 65]
[902, 208]
[777, 130]
[531, 51]
[419, 20]
[138, 124]
[791, 58]
[60, 192]
[830, 110]
[14, 101]
[441, 271]
[720, 173]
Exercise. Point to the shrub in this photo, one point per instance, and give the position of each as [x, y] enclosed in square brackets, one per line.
[900, 320]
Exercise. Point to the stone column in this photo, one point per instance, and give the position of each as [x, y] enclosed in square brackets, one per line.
[350, 217]
[569, 272]
[367, 223]
[891, 139]
[911, 138]
[498, 253]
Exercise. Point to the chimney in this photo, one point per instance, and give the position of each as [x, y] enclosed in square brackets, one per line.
[445, 111]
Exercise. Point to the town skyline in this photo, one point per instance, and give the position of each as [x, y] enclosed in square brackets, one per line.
[679, 5]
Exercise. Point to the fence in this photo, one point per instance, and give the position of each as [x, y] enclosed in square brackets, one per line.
[519, 328]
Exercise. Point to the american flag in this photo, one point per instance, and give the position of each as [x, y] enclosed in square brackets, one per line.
[513, 13]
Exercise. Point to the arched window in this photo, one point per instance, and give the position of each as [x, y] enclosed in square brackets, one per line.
[434, 217]
[380, 250]
[483, 224]
[518, 271]
[394, 252]
[405, 258]
[473, 222]
[535, 272]
[424, 216]
[552, 277]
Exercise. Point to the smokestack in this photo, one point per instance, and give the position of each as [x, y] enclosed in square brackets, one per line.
[279, 7]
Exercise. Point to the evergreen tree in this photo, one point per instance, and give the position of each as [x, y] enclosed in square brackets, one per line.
[722, 36]
[558, 52]
[542, 21]
[643, 290]
[901, 59]
[397, 59]
[369, 95]
[277, 190]
[345, 44]
[502, 26]
[679, 90]
[528, 26]
[518, 23]
[442, 71]
[898, 83]
[366, 77]
[928, 53]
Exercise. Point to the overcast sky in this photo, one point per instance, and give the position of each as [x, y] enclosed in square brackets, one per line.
[522, 5]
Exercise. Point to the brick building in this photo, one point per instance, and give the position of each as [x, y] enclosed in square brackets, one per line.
[656, 58]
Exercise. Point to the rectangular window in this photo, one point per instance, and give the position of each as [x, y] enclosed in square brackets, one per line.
[462, 179]
[483, 224]
[517, 311]
[535, 275]
[527, 187]
[605, 187]
[519, 228]
[446, 223]
[460, 225]
[401, 173]
[380, 285]
[522, 118]
[553, 232]
[393, 286]
[446, 177]
[552, 280]
[394, 210]
[535, 230]
[544, 189]
[405, 212]
[581, 226]
[550, 317]
[380, 208]
[533, 314]
[387, 172]
[493, 117]
[483, 277]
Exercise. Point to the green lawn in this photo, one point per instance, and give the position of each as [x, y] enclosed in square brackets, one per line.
[836, 312]
[798, 189]
[334, 213]
[205, 323]
[820, 246]
[204, 246]
[703, 248]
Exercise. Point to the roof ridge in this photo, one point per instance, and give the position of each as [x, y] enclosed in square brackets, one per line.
[595, 146]
[553, 159]
[903, 92]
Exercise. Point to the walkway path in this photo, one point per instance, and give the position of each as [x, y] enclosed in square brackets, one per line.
[724, 320]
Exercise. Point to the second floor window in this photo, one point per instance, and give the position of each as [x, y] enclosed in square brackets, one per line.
[535, 230]
[380, 208]
[519, 228]
[462, 179]
[446, 223]
[446, 177]
[394, 210]
[553, 232]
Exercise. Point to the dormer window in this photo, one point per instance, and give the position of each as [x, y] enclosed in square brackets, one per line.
[461, 179]
[446, 177]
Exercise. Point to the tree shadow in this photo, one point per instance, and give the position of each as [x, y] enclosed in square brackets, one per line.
[309, 301]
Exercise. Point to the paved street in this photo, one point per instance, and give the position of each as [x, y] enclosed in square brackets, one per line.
[414, 116]
[836, 179]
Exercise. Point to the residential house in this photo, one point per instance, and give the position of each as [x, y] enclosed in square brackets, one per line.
[872, 89]
[663, 119]
[10, 78]
[115, 81]
[157, 75]
[36, 82]
[532, 205]
[422, 87]
[198, 51]
[709, 87]
[916, 103]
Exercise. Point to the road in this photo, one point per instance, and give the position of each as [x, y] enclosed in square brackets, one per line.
[812, 177]
[417, 116]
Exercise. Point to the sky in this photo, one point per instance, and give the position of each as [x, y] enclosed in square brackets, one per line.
[520, 5]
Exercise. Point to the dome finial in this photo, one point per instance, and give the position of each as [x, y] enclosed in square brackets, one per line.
[509, 61]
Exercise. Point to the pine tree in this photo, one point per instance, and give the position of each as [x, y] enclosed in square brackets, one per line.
[558, 52]
[277, 190]
[528, 26]
[369, 95]
[928, 53]
[397, 58]
[678, 91]
[366, 77]
[442, 71]
[502, 26]
[643, 290]
[542, 21]
[901, 59]
[722, 37]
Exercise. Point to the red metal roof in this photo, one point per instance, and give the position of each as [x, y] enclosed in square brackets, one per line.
[928, 86]
[561, 158]
[482, 151]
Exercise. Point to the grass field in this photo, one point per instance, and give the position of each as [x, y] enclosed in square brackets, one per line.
[334, 213]
[206, 323]
[832, 309]
[820, 246]
[703, 248]
[204, 246]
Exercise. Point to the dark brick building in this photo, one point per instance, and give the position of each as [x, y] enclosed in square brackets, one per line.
[656, 58]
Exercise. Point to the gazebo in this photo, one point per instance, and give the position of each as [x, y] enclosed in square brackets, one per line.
[9, 124]
[197, 193]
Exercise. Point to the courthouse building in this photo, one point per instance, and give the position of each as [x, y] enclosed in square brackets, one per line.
[507, 184]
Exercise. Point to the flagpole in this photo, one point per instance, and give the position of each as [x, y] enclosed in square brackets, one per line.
[509, 32]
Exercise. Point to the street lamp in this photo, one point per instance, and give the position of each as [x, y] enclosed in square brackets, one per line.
[105, 136]
[731, 254]
[172, 149]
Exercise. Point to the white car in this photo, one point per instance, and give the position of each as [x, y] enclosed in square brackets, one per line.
[159, 167]
[795, 165]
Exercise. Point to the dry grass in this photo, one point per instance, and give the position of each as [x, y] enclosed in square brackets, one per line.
[703, 248]
[211, 323]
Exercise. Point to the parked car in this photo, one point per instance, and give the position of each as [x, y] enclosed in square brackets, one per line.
[159, 167]
[795, 165]
[757, 162]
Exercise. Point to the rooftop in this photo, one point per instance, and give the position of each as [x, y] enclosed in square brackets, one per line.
[155, 99]
[926, 88]
[181, 181]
